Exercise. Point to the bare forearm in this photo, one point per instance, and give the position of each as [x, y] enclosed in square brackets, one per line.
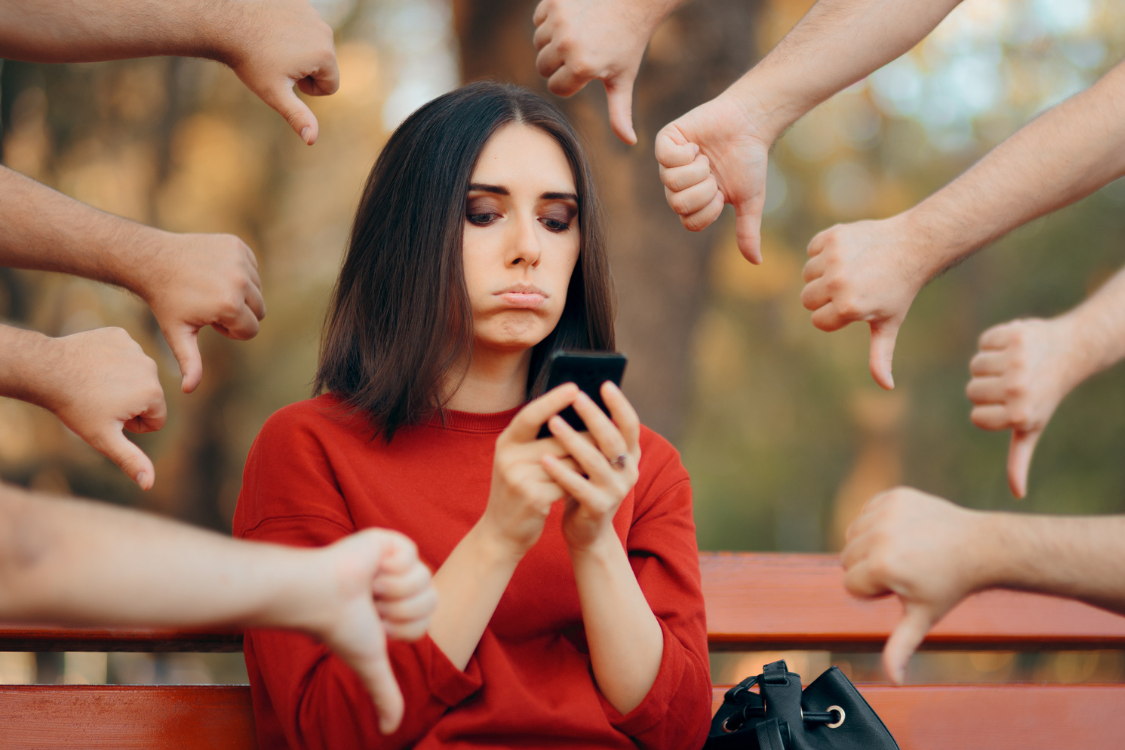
[1097, 328]
[75, 561]
[1060, 157]
[45, 230]
[837, 43]
[1081, 558]
[64, 31]
[469, 586]
[625, 639]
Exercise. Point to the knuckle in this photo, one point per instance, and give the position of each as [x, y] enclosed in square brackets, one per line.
[694, 223]
[691, 223]
[847, 308]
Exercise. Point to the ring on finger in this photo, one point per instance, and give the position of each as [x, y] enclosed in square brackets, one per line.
[619, 462]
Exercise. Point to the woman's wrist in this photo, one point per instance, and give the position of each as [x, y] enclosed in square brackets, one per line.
[600, 550]
[493, 546]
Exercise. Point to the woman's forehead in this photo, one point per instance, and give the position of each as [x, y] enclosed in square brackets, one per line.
[525, 156]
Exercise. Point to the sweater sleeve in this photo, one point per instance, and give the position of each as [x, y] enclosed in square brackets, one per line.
[290, 496]
[676, 712]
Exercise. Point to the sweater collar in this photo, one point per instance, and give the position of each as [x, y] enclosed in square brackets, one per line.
[464, 421]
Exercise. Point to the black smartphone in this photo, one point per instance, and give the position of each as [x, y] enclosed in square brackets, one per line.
[587, 370]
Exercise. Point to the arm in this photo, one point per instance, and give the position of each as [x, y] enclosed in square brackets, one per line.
[717, 152]
[189, 280]
[872, 270]
[475, 575]
[77, 562]
[270, 44]
[932, 554]
[291, 494]
[97, 383]
[639, 584]
[579, 41]
[1026, 367]
[625, 640]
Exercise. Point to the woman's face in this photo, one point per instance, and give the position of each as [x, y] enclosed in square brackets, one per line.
[521, 238]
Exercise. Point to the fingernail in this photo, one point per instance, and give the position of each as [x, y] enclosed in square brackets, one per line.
[305, 133]
[142, 479]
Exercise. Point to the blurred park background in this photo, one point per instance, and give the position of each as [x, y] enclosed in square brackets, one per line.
[780, 425]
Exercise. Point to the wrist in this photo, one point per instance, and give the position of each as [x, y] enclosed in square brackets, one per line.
[492, 547]
[766, 112]
[928, 237]
[29, 358]
[987, 552]
[140, 258]
[1087, 341]
[600, 550]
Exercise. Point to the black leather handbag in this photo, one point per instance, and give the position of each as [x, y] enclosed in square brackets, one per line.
[829, 715]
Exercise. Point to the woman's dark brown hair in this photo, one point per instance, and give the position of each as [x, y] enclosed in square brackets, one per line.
[400, 317]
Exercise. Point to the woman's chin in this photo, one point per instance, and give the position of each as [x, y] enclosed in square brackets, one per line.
[512, 337]
[509, 344]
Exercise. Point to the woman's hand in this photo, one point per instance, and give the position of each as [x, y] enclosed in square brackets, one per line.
[606, 469]
[522, 491]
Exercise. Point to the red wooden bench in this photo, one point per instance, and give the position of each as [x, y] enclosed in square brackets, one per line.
[755, 602]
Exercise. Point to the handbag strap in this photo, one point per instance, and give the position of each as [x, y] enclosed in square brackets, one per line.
[771, 736]
[733, 694]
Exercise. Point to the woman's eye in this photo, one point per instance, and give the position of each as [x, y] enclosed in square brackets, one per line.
[556, 225]
[481, 220]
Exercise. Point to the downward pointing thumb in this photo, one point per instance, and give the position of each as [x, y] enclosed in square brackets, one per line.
[296, 112]
[1019, 459]
[131, 459]
[883, 336]
[748, 228]
[184, 344]
[619, 95]
[904, 641]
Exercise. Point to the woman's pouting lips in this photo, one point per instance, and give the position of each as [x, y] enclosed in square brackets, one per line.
[522, 299]
[522, 295]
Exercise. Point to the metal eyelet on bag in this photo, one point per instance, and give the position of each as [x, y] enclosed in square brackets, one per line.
[729, 729]
[840, 721]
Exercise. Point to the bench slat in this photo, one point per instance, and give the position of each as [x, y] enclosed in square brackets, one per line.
[13, 638]
[758, 601]
[134, 717]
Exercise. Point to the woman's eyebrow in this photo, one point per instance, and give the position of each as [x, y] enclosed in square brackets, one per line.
[501, 190]
[497, 189]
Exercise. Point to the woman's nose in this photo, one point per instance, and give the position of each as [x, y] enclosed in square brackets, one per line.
[524, 244]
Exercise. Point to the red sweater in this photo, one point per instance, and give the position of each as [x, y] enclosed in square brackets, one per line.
[315, 475]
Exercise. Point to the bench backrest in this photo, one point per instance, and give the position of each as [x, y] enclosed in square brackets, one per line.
[755, 602]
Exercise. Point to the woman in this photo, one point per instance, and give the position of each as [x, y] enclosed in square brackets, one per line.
[477, 250]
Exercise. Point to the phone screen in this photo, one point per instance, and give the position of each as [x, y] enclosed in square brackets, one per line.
[587, 370]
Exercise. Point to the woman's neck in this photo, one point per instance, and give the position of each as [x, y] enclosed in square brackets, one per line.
[494, 381]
